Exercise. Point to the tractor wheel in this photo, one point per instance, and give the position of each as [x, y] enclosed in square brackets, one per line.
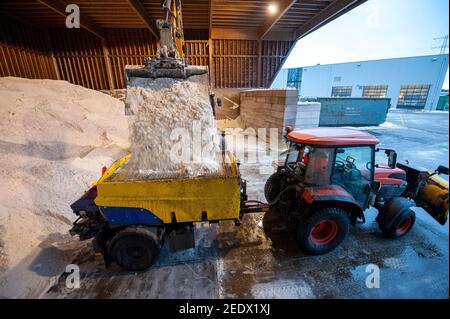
[323, 230]
[134, 249]
[272, 187]
[401, 225]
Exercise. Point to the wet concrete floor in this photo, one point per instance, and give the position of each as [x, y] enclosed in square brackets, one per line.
[260, 259]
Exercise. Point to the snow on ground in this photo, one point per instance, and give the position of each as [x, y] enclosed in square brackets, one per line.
[54, 139]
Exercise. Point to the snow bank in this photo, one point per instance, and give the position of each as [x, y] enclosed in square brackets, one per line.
[54, 139]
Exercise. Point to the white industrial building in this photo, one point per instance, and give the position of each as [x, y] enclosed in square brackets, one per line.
[411, 83]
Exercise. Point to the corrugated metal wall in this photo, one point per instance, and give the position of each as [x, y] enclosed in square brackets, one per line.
[84, 59]
[24, 51]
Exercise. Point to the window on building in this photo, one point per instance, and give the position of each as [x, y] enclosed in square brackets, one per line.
[295, 78]
[375, 91]
[413, 96]
[341, 91]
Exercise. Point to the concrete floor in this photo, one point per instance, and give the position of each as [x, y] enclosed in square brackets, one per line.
[259, 259]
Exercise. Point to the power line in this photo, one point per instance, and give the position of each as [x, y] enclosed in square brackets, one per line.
[444, 46]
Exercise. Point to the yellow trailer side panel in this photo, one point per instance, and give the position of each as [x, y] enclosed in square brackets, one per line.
[219, 197]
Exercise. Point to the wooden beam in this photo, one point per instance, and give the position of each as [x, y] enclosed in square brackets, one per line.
[240, 34]
[259, 66]
[212, 69]
[142, 13]
[21, 20]
[331, 12]
[108, 64]
[210, 19]
[60, 8]
[50, 48]
[283, 7]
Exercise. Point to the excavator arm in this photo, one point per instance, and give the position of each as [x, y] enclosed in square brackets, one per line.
[170, 59]
[171, 28]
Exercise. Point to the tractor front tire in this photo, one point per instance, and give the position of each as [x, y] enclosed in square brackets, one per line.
[134, 249]
[323, 230]
[401, 225]
[272, 187]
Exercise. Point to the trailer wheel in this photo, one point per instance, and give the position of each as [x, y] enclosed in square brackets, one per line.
[134, 249]
[272, 187]
[322, 231]
[401, 225]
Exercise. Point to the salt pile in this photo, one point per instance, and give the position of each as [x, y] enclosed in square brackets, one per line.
[172, 129]
[54, 139]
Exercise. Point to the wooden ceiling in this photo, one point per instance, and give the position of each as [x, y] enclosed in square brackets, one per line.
[293, 18]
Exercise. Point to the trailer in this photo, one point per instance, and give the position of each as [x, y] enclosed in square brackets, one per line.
[130, 219]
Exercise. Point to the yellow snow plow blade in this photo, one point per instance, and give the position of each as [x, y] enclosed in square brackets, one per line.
[176, 199]
[435, 195]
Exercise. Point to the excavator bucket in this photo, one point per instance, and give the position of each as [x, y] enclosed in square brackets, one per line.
[170, 59]
[162, 70]
[157, 69]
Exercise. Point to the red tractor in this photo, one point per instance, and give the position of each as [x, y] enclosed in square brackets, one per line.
[329, 178]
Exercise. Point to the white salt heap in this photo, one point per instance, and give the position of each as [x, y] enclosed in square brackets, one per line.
[172, 129]
[54, 139]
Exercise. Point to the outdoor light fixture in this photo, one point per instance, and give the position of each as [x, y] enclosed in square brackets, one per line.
[272, 8]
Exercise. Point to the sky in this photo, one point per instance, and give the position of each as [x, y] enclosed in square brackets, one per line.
[377, 29]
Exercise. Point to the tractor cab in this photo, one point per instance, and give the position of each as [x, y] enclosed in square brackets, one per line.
[334, 162]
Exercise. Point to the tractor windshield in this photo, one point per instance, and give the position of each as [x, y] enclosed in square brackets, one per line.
[319, 165]
[297, 156]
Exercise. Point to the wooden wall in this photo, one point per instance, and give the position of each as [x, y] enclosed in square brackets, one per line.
[24, 51]
[128, 47]
[235, 63]
[197, 52]
[246, 63]
[272, 55]
[77, 56]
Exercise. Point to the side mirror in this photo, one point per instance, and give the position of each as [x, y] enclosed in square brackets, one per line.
[392, 158]
[442, 170]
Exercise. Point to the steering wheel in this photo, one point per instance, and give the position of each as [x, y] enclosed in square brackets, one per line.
[339, 165]
[369, 166]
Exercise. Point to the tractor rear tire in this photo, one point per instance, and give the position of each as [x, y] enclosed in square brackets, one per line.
[272, 187]
[401, 225]
[134, 249]
[323, 230]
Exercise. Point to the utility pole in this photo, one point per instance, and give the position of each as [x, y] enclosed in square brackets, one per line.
[444, 46]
